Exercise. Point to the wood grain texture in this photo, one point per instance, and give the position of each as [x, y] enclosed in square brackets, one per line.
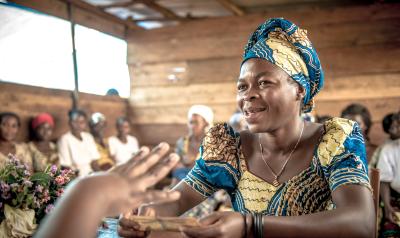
[200, 39]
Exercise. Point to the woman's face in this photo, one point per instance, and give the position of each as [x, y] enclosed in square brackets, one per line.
[197, 125]
[266, 96]
[124, 128]
[9, 128]
[99, 128]
[394, 130]
[358, 118]
[78, 124]
[44, 132]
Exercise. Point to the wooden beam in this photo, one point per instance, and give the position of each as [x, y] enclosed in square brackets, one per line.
[229, 5]
[164, 11]
[150, 4]
[118, 4]
[93, 9]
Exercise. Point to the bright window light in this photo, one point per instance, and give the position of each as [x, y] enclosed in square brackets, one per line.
[36, 49]
[101, 62]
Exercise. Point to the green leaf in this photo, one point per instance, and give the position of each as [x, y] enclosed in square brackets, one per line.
[41, 178]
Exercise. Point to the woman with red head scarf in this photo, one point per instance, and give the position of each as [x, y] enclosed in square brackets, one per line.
[43, 151]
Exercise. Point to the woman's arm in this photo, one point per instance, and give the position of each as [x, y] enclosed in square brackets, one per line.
[385, 196]
[354, 216]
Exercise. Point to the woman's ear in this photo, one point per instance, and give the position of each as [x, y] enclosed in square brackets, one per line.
[301, 92]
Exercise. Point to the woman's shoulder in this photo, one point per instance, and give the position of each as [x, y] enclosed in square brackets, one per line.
[340, 135]
[220, 143]
[22, 146]
[222, 132]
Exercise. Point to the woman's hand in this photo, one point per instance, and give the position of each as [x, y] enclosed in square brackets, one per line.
[125, 186]
[219, 224]
[390, 214]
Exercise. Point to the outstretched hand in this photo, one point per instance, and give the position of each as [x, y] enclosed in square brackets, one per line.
[127, 184]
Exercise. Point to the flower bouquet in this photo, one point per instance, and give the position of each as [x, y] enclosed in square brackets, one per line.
[26, 198]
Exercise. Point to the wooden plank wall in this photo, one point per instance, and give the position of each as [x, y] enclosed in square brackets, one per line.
[359, 48]
[28, 101]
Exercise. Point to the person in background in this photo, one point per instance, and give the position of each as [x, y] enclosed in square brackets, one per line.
[389, 166]
[87, 200]
[361, 115]
[77, 148]
[44, 152]
[9, 126]
[391, 126]
[97, 125]
[237, 122]
[123, 146]
[200, 119]
[112, 92]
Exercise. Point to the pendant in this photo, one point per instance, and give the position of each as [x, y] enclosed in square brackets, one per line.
[275, 183]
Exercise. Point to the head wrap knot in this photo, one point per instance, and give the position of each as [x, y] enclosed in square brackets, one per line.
[282, 43]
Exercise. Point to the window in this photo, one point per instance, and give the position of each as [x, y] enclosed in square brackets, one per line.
[36, 49]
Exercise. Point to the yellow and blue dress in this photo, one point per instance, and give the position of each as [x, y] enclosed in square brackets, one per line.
[339, 159]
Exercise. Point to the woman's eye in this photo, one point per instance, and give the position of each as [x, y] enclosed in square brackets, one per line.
[241, 87]
[263, 83]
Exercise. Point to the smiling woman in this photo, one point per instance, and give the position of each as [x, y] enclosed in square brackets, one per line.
[285, 177]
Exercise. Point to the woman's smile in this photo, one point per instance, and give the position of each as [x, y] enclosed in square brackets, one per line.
[253, 113]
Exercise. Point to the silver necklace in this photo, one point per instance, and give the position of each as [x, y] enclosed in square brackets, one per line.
[275, 182]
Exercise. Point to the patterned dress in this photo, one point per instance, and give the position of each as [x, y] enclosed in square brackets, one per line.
[339, 159]
[22, 153]
[40, 160]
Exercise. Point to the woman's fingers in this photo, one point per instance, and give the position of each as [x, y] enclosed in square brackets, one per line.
[143, 165]
[122, 168]
[146, 210]
[155, 197]
[210, 219]
[122, 232]
[206, 231]
[157, 172]
[129, 228]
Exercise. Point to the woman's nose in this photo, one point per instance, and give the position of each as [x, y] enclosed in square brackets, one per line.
[250, 94]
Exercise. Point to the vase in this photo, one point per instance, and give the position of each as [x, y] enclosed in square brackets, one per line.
[18, 223]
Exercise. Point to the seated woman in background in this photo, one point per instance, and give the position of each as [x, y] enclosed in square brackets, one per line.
[200, 119]
[362, 116]
[123, 146]
[391, 126]
[285, 177]
[76, 148]
[43, 151]
[389, 166]
[97, 125]
[9, 126]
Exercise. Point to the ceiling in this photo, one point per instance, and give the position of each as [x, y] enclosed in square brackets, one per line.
[150, 14]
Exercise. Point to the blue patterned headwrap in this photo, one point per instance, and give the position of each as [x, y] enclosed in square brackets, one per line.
[286, 45]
